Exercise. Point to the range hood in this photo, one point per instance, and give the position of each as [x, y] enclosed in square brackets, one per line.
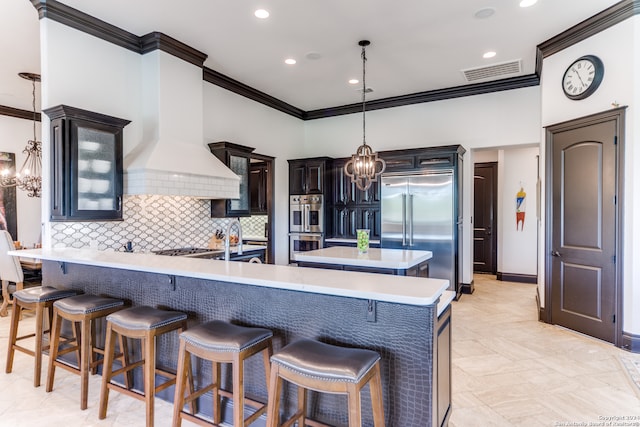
[171, 157]
[179, 169]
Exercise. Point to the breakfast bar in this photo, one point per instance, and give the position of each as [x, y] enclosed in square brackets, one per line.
[405, 319]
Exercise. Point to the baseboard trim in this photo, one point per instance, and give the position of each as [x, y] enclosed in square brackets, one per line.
[514, 277]
[467, 288]
[542, 313]
[631, 342]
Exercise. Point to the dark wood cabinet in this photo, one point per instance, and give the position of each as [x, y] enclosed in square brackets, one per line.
[345, 222]
[86, 165]
[237, 158]
[370, 217]
[353, 208]
[308, 176]
[344, 191]
[258, 188]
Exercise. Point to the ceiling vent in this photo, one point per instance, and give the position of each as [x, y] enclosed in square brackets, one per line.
[493, 71]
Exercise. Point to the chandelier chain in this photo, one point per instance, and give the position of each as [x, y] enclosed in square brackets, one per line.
[33, 105]
[364, 91]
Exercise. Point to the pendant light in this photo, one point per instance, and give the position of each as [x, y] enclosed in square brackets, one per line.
[29, 178]
[365, 166]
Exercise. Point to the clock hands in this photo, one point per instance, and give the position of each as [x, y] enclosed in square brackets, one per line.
[579, 77]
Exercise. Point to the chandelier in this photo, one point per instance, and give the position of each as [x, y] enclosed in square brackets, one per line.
[29, 178]
[365, 166]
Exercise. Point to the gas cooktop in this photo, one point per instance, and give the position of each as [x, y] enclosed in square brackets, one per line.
[186, 251]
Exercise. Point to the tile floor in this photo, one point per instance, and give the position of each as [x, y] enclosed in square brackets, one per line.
[508, 370]
[511, 370]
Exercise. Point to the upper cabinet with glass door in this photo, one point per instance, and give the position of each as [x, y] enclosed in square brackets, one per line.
[237, 158]
[86, 165]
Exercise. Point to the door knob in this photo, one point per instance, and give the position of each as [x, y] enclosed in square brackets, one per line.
[556, 254]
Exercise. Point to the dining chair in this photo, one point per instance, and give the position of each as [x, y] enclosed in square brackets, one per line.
[10, 270]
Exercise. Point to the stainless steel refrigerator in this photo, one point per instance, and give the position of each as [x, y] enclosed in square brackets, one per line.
[418, 213]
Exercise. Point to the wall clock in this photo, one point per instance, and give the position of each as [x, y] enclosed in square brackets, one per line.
[583, 77]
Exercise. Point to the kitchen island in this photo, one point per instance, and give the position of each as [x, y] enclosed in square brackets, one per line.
[402, 318]
[385, 261]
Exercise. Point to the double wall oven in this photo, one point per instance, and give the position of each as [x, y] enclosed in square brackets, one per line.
[306, 223]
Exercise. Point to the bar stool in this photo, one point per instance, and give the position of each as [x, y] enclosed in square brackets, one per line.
[142, 323]
[81, 310]
[220, 342]
[37, 299]
[325, 368]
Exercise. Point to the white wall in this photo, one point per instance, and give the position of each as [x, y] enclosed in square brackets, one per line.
[618, 48]
[14, 134]
[517, 249]
[508, 118]
[233, 118]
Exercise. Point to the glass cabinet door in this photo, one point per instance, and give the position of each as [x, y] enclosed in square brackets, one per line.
[96, 166]
[240, 166]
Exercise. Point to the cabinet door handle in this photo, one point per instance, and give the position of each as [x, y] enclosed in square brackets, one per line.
[119, 203]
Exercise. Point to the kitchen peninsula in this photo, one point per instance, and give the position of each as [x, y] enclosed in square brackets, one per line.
[386, 261]
[403, 318]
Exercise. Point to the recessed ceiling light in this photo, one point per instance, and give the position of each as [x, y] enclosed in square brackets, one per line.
[354, 81]
[489, 54]
[290, 61]
[484, 13]
[527, 3]
[261, 13]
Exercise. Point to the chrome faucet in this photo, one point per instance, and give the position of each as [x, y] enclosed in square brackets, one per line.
[227, 238]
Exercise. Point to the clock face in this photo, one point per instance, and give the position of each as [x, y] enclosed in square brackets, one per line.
[583, 77]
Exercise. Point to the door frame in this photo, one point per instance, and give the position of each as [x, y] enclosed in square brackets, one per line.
[270, 163]
[617, 115]
[494, 221]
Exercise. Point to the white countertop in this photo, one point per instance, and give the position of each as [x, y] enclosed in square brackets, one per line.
[380, 287]
[375, 257]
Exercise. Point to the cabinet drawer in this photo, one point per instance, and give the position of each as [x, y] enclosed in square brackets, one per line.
[399, 163]
[444, 160]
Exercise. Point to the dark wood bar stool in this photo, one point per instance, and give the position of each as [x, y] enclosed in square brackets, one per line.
[325, 368]
[81, 310]
[37, 299]
[145, 324]
[220, 342]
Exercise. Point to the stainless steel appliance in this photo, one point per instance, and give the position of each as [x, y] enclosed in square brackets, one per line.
[302, 242]
[306, 213]
[418, 213]
[192, 252]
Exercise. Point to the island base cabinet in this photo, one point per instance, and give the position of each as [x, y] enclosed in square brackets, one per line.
[404, 335]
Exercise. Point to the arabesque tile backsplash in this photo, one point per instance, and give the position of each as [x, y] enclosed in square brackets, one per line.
[151, 223]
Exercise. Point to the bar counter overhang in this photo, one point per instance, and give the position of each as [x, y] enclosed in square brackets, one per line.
[401, 318]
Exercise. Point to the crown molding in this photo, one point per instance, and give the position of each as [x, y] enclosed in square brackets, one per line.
[81, 21]
[242, 89]
[429, 96]
[156, 40]
[590, 27]
[88, 24]
[18, 113]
